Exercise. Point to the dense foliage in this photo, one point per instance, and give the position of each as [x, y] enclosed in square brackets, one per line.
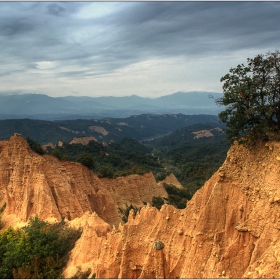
[252, 97]
[115, 159]
[157, 201]
[177, 197]
[35, 146]
[39, 250]
[86, 159]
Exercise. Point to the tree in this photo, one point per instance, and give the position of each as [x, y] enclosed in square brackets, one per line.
[35, 146]
[39, 250]
[252, 99]
[87, 160]
[56, 153]
[157, 201]
[105, 172]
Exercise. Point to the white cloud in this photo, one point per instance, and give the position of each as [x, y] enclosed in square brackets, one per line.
[45, 65]
[97, 9]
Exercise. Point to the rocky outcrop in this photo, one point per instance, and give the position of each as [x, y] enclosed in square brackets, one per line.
[34, 184]
[98, 129]
[49, 145]
[82, 140]
[134, 189]
[230, 228]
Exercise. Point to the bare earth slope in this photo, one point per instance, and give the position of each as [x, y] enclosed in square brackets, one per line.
[33, 184]
[82, 140]
[171, 180]
[231, 228]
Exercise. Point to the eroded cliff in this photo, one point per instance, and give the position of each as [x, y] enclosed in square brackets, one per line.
[230, 228]
[34, 184]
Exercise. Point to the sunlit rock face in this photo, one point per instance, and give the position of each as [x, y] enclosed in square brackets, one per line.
[230, 228]
[32, 184]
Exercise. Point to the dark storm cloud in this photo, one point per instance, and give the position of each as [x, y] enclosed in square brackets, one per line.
[191, 28]
[42, 31]
[55, 9]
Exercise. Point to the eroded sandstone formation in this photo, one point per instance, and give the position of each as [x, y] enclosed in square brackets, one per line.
[230, 228]
[34, 184]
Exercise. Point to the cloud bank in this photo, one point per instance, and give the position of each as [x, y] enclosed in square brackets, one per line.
[124, 48]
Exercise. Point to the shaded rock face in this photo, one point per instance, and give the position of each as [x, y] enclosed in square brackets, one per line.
[33, 184]
[230, 228]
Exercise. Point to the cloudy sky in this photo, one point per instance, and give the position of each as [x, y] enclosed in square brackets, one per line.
[122, 48]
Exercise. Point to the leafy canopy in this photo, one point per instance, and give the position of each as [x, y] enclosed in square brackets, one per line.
[39, 250]
[252, 99]
[86, 159]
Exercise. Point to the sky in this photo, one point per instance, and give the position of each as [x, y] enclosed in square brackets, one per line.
[149, 49]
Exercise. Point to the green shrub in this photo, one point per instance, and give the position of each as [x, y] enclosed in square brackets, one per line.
[157, 201]
[105, 172]
[56, 153]
[39, 250]
[35, 146]
[87, 160]
[82, 274]
[177, 197]
[125, 212]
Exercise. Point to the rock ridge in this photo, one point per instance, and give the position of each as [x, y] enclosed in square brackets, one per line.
[229, 229]
[34, 184]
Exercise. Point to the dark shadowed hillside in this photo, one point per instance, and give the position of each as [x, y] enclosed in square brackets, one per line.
[140, 127]
[193, 153]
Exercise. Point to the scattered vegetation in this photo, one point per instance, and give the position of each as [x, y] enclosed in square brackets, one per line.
[125, 212]
[177, 197]
[1, 212]
[82, 274]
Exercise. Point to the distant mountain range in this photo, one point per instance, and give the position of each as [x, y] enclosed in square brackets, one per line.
[39, 106]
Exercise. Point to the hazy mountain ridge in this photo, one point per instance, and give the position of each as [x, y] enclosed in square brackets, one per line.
[39, 106]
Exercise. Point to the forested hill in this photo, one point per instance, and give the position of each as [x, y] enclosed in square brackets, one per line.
[192, 153]
[190, 146]
[139, 127]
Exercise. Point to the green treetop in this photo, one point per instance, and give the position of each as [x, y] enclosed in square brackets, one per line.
[252, 99]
